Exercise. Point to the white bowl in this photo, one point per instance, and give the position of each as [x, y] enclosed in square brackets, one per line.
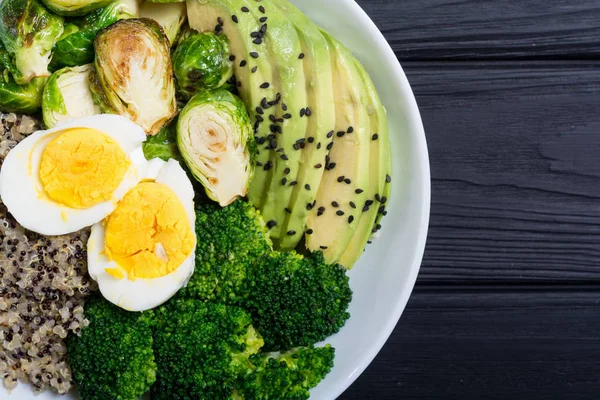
[384, 277]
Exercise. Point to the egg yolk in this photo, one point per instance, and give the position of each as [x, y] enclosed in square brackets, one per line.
[82, 167]
[149, 233]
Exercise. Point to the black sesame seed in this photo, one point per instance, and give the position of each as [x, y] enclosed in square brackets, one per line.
[272, 118]
[308, 112]
[307, 186]
[291, 233]
[220, 20]
[245, 9]
[286, 171]
[335, 204]
[365, 208]
[368, 202]
[287, 116]
[384, 213]
[322, 209]
[296, 146]
[339, 213]
[317, 166]
[347, 181]
[383, 199]
[375, 136]
[293, 183]
[283, 107]
[341, 133]
[243, 63]
[381, 210]
[323, 247]
[287, 210]
[330, 146]
[234, 18]
[284, 157]
[309, 232]
[331, 166]
[268, 165]
[352, 204]
[255, 34]
[311, 139]
[309, 206]
[358, 191]
[280, 150]
[259, 110]
[218, 28]
[319, 145]
[284, 181]
[350, 219]
[388, 178]
[260, 118]
[257, 41]
[263, 19]
[258, 163]
[238, 84]
[261, 9]
[254, 69]
[340, 179]
[263, 28]
[254, 54]
[302, 112]
[265, 85]
[377, 197]
[378, 226]
[350, 130]
[319, 213]
[271, 224]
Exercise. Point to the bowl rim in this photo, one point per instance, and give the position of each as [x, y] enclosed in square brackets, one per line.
[417, 132]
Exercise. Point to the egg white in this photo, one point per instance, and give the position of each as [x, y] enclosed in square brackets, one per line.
[22, 191]
[144, 294]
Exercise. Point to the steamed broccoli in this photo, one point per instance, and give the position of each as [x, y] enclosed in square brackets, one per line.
[201, 349]
[297, 300]
[113, 357]
[228, 240]
[286, 376]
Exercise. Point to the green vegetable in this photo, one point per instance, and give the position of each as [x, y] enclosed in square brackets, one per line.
[297, 300]
[134, 75]
[76, 47]
[164, 144]
[286, 376]
[228, 240]
[215, 138]
[170, 16]
[67, 95]
[201, 349]
[28, 31]
[73, 8]
[26, 98]
[201, 61]
[113, 358]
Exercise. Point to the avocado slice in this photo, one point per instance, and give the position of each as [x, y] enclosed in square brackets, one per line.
[334, 219]
[379, 171]
[318, 74]
[285, 120]
[253, 66]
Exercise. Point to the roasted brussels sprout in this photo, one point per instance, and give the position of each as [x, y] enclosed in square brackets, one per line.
[76, 47]
[214, 136]
[16, 98]
[28, 31]
[67, 95]
[201, 61]
[70, 8]
[133, 73]
[170, 16]
[163, 145]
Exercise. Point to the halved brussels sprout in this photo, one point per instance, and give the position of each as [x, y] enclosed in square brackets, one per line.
[77, 46]
[134, 75]
[28, 31]
[214, 136]
[72, 8]
[67, 95]
[201, 61]
[170, 16]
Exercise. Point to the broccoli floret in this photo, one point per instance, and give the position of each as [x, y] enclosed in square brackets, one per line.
[113, 357]
[228, 240]
[201, 349]
[297, 300]
[286, 376]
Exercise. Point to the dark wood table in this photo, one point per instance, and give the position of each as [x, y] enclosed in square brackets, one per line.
[507, 305]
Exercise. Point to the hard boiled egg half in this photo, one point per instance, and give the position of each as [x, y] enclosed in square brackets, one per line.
[143, 253]
[69, 177]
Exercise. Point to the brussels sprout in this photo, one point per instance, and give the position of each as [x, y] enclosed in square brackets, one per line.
[170, 16]
[214, 136]
[77, 48]
[67, 95]
[71, 8]
[28, 31]
[134, 75]
[26, 99]
[163, 145]
[201, 61]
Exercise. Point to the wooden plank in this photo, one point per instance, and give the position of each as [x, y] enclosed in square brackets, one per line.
[515, 157]
[485, 29]
[490, 344]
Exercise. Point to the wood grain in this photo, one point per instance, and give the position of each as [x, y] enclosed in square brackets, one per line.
[489, 29]
[514, 149]
[498, 343]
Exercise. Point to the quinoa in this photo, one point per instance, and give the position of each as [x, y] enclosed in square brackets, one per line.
[43, 283]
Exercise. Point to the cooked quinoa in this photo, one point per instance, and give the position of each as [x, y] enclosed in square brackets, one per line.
[43, 283]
